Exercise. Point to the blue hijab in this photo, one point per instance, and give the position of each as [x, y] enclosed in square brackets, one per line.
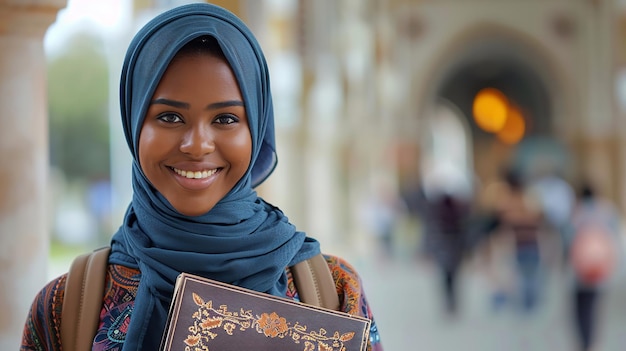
[243, 240]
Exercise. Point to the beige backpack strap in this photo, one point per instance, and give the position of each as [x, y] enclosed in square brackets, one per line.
[315, 283]
[82, 303]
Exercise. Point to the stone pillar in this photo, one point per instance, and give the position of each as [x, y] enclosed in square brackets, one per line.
[23, 160]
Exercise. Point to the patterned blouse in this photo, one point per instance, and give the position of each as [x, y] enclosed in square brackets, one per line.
[42, 329]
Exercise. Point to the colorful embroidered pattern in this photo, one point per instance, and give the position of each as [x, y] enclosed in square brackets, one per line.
[41, 331]
[352, 296]
[119, 299]
[209, 320]
[47, 305]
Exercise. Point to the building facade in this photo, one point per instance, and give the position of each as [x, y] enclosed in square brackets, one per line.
[358, 86]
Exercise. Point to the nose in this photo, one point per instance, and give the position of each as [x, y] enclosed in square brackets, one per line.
[198, 141]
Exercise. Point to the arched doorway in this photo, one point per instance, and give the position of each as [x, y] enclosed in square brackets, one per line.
[497, 57]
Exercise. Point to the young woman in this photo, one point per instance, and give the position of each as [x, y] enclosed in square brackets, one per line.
[197, 114]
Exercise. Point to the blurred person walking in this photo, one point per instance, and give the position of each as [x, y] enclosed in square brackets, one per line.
[557, 198]
[449, 245]
[445, 205]
[593, 238]
[520, 231]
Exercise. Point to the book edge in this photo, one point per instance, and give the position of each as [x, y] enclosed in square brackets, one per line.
[188, 276]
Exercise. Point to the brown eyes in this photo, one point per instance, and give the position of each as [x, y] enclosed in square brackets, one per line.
[170, 118]
[224, 119]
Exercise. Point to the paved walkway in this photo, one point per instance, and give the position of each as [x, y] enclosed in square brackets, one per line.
[405, 299]
[406, 302]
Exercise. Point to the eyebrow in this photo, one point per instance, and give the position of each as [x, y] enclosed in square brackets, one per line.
[184, 105]
[173, 103]
[222, 104]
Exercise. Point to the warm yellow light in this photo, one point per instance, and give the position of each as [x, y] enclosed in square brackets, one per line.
[514, 128]
[490, 109]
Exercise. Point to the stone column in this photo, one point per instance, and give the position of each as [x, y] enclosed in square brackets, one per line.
[23, 160]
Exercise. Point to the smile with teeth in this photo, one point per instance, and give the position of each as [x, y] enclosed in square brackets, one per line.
[196, 174]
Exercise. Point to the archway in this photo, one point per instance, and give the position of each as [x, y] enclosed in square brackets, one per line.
[490, 55]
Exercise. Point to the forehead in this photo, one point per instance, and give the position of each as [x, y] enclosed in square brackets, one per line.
[199, 74]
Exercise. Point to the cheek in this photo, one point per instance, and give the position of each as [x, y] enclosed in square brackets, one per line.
[247, 146]
[242, 150]
[151, 146]
[145, 139]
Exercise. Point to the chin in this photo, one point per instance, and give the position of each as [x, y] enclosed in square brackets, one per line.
[192, 206]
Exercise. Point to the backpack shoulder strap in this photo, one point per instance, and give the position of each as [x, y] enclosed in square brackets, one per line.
[315, 283]
[82, 302]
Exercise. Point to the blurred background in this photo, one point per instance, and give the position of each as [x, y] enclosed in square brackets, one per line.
[400, 124]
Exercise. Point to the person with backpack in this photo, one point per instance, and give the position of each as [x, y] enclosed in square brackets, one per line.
[197, 114]
[593, 237]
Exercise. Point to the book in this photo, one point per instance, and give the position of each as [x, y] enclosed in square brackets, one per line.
[209, 315]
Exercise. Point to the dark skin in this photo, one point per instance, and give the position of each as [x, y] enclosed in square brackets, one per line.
[195, 142]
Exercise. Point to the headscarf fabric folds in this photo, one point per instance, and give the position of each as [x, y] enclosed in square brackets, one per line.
[243, 240]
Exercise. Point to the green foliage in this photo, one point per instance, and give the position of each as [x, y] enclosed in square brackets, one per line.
[78, 81]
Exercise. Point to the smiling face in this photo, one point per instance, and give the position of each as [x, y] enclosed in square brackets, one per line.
[195, 143]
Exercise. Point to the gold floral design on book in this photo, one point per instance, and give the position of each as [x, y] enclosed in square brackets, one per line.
[210, 321]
